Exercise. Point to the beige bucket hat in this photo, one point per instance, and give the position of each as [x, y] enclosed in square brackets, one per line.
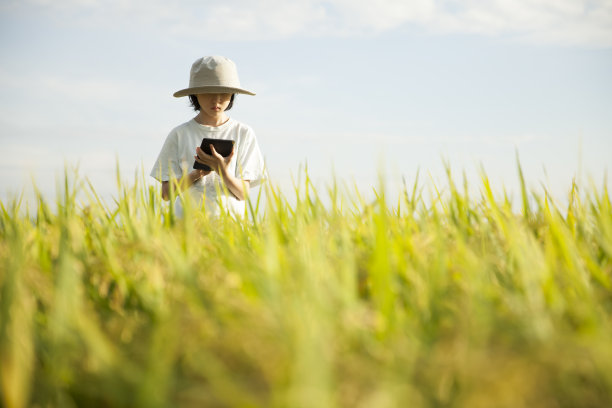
[213, 74]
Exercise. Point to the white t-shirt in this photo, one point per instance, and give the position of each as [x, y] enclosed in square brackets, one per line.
[177, 154]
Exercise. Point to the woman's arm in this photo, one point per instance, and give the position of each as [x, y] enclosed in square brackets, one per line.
[180, 184]
[238, 187]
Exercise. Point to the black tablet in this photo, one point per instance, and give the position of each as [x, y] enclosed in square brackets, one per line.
[222, 146]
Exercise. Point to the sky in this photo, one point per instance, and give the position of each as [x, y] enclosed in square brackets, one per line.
[349, 89]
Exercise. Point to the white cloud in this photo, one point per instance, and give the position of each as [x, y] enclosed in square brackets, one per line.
[548, 21]
[583, 22]
[79, 90]
[380, 15]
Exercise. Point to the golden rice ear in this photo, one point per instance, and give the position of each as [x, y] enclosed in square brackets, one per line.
[456, 299]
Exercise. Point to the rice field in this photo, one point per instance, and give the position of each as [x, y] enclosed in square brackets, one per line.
[322, 298]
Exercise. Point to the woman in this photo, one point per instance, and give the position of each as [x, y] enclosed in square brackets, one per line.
[213, 84]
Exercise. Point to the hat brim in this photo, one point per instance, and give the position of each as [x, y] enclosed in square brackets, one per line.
[211, 89]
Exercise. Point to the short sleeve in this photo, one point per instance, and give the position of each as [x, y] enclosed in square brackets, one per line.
[250, 163]
[167, 163]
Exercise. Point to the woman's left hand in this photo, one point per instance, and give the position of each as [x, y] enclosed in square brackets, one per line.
[238, 187]
[215, 161]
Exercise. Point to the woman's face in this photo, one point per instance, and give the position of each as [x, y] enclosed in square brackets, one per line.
[213, 104]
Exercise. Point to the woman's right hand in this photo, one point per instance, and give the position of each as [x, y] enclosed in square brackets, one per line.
[197, 174]
[182, 183]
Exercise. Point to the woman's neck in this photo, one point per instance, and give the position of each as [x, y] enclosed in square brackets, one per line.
[210, 120]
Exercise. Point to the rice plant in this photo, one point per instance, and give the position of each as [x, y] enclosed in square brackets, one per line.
[322, 299]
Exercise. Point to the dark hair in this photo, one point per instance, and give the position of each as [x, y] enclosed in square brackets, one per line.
[193, 102]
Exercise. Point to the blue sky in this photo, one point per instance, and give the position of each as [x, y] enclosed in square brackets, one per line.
[348, 87]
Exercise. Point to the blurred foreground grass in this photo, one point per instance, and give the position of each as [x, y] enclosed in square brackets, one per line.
[401, 302]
